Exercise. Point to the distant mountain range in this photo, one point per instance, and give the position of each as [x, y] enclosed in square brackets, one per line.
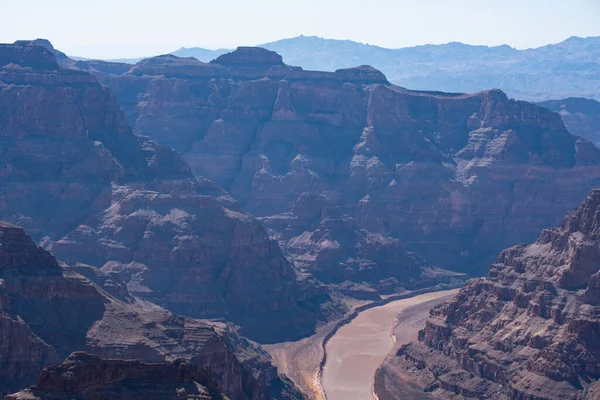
[567, 69]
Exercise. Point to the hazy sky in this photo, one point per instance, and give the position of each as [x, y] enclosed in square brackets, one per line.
[131, 28]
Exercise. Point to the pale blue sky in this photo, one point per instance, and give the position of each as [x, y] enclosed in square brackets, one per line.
[131, 28]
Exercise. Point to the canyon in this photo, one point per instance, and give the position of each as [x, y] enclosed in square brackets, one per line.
[182, 212]
[447, 175]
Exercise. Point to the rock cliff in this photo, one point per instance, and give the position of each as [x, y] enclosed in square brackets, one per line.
[450, 175]
[75, 176]
[84, 376]
[47, 311]
[529, 330]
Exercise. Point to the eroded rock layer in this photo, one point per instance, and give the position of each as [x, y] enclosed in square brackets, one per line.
[330, 245]
[529, 330]
[47, 311]
[450, 175]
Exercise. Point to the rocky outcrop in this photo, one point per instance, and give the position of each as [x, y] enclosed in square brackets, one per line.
[325, 242]
[450, 175]
[76, 177]
[529, 330]
[48, 311]
[84, 376]
[581, 116]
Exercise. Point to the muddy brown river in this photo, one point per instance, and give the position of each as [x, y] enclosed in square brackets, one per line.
[357, 349]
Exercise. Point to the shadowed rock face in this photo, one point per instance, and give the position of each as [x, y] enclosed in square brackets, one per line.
[75, 176]
[195, 257]
[450, 175]
[330, 245]
[84, 376]
[64, 140]
[581, 116]
[529, 330]
[47, 312]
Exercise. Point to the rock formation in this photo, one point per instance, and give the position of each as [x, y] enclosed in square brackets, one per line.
[581, 116]
[450, 175]
[76, 177]
[529, 330]
[84, 376]
[47, 311]
[325, 242]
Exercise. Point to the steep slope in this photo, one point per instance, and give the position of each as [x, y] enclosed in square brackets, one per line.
[63, 141]
[529, 330]
[581, 116]
[449, 175]
[75, 175]
[47, 311]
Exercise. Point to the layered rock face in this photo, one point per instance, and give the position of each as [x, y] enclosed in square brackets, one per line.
[84, 376]
[48, 311]
[450, 175]
[529, 330]
[195, 257]
[330, 245]
[64, 141]
[581, 116]
[73, 173]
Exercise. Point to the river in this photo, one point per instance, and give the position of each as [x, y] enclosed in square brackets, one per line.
[357, 349]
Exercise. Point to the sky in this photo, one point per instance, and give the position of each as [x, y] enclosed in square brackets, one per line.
[134, 28]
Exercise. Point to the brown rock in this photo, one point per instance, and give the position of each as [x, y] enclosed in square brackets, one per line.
[47, 312]
[529, 330]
